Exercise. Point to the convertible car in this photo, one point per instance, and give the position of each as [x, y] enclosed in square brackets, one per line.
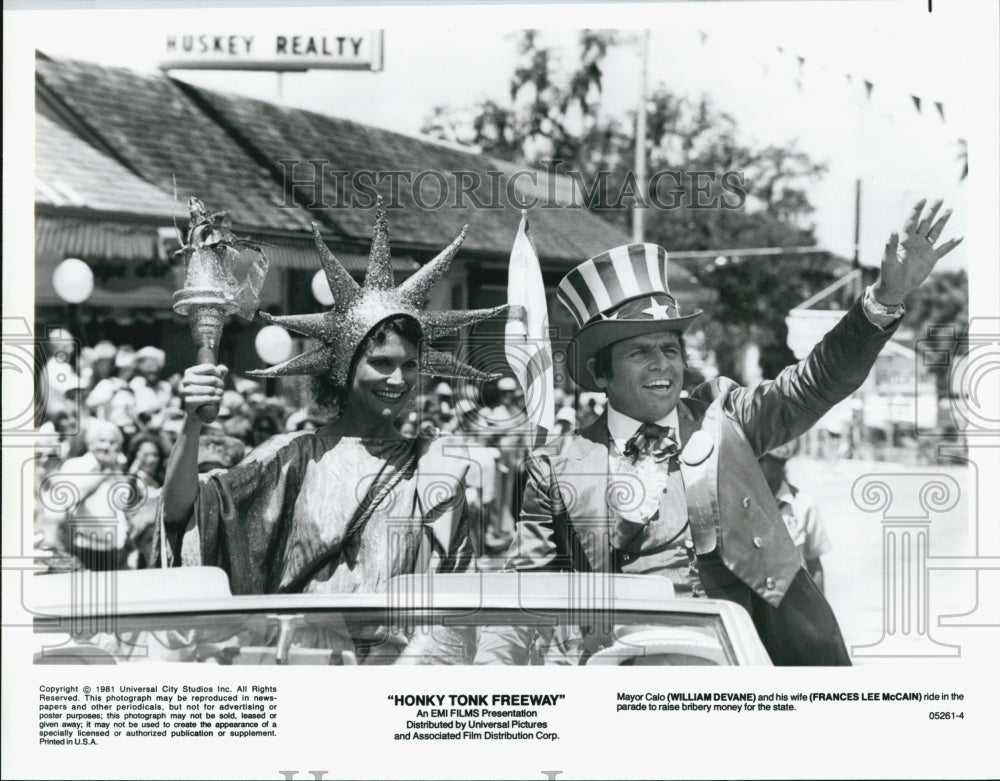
[189, 615]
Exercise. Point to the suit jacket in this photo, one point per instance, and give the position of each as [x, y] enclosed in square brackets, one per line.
[569, 520]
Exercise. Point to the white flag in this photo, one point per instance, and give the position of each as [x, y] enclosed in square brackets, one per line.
[529, 352]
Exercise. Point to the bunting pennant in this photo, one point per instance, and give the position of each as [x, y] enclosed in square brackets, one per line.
[817, 70]
[526, 343]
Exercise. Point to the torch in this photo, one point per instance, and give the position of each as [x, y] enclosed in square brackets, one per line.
[211, 292]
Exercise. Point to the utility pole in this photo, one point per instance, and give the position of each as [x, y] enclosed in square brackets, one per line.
[639, 213]
[855, 431]
[859, 284]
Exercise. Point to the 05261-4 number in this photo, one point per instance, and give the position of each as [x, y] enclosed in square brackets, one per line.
[945, 715]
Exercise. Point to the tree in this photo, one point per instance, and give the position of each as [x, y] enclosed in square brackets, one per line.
[943, 300]
[554, 115]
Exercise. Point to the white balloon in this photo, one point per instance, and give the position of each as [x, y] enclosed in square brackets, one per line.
[73, 281]
[273, 343]
[321, 289]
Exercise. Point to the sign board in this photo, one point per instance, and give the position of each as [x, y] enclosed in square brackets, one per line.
[894, 393]
[806, 327]
[917, 408]
[279, 50]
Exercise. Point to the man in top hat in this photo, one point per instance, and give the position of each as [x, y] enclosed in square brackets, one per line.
[658, 476]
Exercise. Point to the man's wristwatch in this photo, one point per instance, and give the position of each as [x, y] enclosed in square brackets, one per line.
[882, 312]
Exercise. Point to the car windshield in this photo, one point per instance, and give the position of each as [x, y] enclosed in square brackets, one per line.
[364, 636]
[506, 619]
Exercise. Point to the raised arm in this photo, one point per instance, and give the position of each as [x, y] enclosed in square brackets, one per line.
[907, 263]
[200, 385]
[774, 412]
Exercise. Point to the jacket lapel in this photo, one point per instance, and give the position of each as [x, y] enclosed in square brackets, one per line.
[689, 414]
[589, 481]
[597, 432]
[584, 475]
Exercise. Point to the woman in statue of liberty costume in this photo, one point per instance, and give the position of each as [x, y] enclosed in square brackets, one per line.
[346, 507]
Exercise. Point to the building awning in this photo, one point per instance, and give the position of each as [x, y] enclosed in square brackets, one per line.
[58, 238]
[134, 263]
[61, 238]
[302, 256]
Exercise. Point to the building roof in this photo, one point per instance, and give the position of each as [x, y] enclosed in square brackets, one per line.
[69, 172]
[226, 150]
[278, 133]
[151, 127]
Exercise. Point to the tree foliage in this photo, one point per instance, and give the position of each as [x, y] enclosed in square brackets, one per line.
[554, 114]
[941, 307]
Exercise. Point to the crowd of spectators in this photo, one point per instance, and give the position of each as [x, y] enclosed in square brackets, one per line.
[111, 417]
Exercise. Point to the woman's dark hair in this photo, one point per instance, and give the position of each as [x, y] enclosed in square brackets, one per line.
[602, 359]
[327, 394]
[133, 450]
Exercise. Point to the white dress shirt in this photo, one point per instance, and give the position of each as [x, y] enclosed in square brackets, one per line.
[637, 506]
[622, 427]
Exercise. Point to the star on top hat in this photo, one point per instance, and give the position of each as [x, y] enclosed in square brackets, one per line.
[617, 295]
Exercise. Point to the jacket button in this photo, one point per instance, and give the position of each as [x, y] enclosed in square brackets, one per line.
[758, 542]
[746, 502]
[770, 584]
[627, 557]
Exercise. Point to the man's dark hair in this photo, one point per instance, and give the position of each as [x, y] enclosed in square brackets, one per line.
[602, 359]
[330, 396]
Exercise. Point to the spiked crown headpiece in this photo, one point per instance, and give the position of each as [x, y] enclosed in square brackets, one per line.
[357, 309]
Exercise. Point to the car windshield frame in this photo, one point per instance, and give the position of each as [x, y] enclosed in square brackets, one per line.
[536, 600]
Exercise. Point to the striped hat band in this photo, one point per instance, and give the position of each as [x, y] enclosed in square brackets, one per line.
[606, 281]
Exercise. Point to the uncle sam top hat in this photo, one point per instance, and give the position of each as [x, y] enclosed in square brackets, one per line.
[616, 295]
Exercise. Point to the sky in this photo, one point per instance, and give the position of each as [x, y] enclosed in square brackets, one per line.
[785, 71]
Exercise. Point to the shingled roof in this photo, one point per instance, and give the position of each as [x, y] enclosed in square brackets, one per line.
[151, 127]
[70, 173]
[280, 133]
[226, 149]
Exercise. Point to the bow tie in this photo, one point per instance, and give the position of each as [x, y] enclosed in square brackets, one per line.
[651, 438]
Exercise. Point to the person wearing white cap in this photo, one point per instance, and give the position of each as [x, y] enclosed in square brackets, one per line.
[509, 419]
[151, 393]
[657, 476]
[97, 363]
[60, 370]
[505, 413]
[445, 401]
[565, 420]
[113, 380]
